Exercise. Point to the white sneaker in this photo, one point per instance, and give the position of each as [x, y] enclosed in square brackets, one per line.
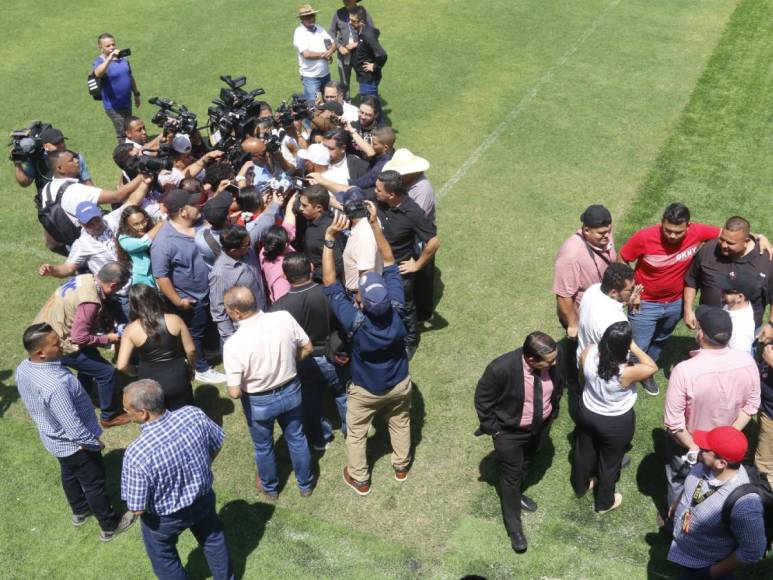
[210, 376]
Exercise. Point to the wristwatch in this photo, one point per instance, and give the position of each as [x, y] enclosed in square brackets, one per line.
[330, 244]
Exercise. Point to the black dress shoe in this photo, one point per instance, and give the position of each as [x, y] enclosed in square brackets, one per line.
[518, 542]
[528, 504]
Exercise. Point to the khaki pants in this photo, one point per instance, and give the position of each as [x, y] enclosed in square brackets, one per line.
[763, 457]
[361, 407]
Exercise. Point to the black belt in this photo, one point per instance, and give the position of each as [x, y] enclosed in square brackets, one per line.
[274, 389]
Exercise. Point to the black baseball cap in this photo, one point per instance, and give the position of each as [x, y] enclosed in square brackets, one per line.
[177, 199]
[596, 216]
[741, 282]
[215, 211]
[715, 323]
[51, 135]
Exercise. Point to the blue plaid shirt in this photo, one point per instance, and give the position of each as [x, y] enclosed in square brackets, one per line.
[170, 464]
[59, 406]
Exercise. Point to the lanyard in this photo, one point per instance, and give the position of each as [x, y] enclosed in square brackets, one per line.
[698, 497]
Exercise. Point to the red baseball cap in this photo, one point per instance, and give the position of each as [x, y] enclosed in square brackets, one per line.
[727, 442]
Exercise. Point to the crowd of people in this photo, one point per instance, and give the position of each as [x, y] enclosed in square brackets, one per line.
[618, 320]
[304, 258]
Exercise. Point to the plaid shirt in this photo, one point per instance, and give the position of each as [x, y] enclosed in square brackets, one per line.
[170, 464]
[59, 406]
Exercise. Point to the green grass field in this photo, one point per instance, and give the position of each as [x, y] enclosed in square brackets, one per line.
[546, 106]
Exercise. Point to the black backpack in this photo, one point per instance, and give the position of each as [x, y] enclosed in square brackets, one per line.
[758, 484]
[53, 218]
[95, 86]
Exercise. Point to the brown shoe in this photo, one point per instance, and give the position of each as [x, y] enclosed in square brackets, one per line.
[359, 487]
[116, 421]
[307, 492]
[401, 473]
[266, 495]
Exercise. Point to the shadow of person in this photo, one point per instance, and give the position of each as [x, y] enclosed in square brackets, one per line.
[651, 474]
[113, 461]
[658, 566]
[677, 349]
[9, 394]
[244, 525]
[211, 401]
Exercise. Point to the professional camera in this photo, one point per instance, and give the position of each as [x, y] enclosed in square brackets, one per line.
[296, 110]
[235, 112]
[151, 161]
[26, 144]
[172, 117]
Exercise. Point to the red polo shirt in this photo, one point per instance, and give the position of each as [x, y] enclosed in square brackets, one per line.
[660, 268]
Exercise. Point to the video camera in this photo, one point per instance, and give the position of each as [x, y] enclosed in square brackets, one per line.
[152, 164]
[172, 117]
[233, 117]
[296, 110]
[26, 144]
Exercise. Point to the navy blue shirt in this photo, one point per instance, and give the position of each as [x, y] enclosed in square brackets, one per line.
[766, 386]
[175, 256]
[379, 360]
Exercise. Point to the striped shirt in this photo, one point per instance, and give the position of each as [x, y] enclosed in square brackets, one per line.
[170, 464]
[707, 540]
[60, 408]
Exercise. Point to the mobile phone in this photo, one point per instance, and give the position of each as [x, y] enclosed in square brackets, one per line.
[124, 53]
[232, 189]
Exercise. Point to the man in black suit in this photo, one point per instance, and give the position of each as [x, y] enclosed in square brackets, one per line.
[342, 167]
[516, 400]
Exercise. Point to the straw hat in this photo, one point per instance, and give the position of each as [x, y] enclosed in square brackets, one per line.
[306, 10]
[405, 163]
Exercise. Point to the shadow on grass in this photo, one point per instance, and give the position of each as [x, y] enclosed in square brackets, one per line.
[438, 288]
[651, 473]
[113, 461]
[676, 350]
[9, 394]
[380, 445]
[213, 402]
[244, 525]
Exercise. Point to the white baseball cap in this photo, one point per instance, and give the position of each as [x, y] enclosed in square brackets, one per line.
[316, 153]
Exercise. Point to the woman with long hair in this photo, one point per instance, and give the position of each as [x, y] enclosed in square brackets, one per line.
[166, 350]
[136, 231]
[276, 245]
[605, 420]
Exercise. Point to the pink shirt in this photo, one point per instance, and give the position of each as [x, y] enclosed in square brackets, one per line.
[528, 394]
[575, 270]
[710, 389]
[276, 283]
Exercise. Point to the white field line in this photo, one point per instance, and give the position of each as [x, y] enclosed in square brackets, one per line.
[522, 104]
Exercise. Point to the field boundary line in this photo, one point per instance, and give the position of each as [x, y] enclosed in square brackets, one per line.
[525, 101]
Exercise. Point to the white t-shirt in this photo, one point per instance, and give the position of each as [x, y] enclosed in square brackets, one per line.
[338, 172]
[604, 397]
[597, 312]
[75, 194]
[361, 254]
[743, 328]
[305, 39]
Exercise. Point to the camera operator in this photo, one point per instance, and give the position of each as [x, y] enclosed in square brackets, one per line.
[117, 83]
[36, 170]
[137, 134]
[184, 164]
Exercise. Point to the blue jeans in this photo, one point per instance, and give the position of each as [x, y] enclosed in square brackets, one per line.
[91, 366]
[314, 85]
[368, 89]
[160, 533]
[318, 374]
[283, 405]
[197, 319]
[653, 324]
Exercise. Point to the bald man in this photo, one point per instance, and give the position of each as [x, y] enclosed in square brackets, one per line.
[259, 168]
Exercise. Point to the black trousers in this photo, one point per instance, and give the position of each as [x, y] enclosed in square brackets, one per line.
[515, 451]
[411, 325]
[83, 480]
[599, 445]
[424, 293]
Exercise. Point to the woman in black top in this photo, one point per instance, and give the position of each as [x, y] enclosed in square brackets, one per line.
[166, 350]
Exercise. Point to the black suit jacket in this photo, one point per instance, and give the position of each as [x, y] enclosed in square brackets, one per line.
[499, 395]
[357, 167]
